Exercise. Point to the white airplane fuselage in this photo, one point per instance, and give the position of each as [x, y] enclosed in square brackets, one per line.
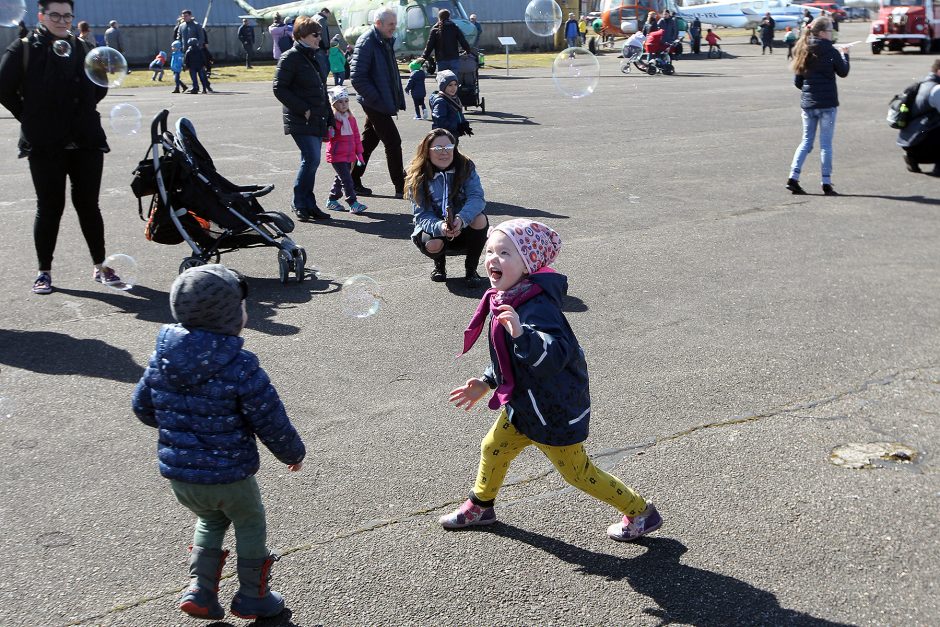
[748, 13]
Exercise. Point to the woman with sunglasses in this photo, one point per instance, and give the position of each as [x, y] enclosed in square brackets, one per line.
[447, 200]
[307, 113]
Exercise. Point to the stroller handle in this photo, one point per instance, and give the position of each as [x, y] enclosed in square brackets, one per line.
[158, 126]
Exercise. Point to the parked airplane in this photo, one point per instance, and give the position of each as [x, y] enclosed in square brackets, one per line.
[354, 17]
[748, 14]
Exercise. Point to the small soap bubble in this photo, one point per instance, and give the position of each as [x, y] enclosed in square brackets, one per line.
[119, 272]
[125, 119]
[361, 296]
[105, 67]
[62, 47]
[543, 17]
[12, 12]
[576, 72]
[7, 407]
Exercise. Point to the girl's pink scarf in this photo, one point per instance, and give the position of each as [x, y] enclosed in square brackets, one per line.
[516, 295]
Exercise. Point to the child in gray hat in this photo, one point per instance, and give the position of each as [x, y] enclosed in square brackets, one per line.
[209, 398]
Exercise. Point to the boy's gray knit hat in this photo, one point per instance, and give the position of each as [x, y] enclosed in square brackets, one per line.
[444, 77]
[209, 298]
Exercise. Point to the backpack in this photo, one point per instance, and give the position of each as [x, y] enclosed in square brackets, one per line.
[901, 107]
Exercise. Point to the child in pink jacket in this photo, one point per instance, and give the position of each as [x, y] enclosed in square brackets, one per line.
[343, 150]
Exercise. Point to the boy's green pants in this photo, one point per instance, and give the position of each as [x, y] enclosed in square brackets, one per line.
[219, 506]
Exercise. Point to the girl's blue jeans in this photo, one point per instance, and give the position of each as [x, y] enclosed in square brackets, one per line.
[825, 119]
[307, 174]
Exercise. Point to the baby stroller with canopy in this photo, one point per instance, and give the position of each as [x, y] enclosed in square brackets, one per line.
[468, 79]
[191, 202]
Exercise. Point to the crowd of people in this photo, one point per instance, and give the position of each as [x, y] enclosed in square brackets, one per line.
[537, 373]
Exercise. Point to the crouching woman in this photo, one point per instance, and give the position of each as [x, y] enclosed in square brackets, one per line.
[447, 200]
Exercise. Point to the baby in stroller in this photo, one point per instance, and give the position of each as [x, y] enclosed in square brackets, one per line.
[192, 202]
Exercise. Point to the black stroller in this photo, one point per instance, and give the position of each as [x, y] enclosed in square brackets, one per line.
[192, 202]
[468, 77]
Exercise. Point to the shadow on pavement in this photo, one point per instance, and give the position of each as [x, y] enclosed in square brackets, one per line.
[515, 211]
[49, 352]
[683, 594]
[501, 118]
[284, 619]
[924, 200]
[145, 303]
[385, 225]
[267, 296]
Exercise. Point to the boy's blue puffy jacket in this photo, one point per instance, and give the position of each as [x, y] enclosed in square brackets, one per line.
[819, 83]
[551, 399]
[445, 114]
[176, 61]
[209, 398]
[415, 85]
[469, 202]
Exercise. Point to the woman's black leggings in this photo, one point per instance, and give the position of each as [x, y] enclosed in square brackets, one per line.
[470, 242]
[49, 171]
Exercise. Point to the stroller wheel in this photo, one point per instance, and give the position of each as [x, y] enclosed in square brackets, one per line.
[626, 66]
[482, 105]
[669, 69]
[284, 266]
[651, 69]
[191, 262]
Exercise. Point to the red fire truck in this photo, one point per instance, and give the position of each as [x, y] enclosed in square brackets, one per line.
[903, 23]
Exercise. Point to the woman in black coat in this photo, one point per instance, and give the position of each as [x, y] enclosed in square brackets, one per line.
[307, 112]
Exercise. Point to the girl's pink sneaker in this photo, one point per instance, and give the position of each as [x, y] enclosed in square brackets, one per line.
[468, 515]
[629, 529]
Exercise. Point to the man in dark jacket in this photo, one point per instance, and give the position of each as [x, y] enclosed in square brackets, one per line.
[767, 27]
[443, 42]
[669, 26]
[323, 53]
[189, 28]
[60, 132]
[246, 35]
[920, 139]
[695, 33]
[377, 82]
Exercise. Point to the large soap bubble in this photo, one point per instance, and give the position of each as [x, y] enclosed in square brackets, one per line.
[125, 119]
[124, 269]
[576, 72]
[105, 67]
[543, 17]
[12, 12]
[361, 296]
[62, 47]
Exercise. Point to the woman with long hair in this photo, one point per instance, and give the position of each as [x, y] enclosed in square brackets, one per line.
[306, 111]
[816, 63]
[447, 200]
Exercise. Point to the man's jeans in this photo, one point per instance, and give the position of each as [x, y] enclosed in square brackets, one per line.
[826, 119]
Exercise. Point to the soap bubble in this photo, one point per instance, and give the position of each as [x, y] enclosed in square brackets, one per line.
[361, 297]
[7, 407]
[12, 12]
[543, 17]
[62, 47]
[125, 119]
[125, 268]
[105, 67]
[576, 72]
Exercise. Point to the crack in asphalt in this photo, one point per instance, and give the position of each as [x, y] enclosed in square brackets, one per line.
[605, 459]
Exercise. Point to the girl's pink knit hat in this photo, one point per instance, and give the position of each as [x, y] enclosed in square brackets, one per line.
[538, 244]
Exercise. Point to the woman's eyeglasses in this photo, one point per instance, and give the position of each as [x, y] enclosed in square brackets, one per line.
[440, 149]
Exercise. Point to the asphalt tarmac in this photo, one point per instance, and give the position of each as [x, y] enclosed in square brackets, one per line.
[735, 335]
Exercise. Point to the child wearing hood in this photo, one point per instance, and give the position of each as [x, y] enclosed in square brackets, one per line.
[416, 88]
[195, 61]
[338, 60]
[540, 378]
[446, 108]
[210, 399]
[176, 66]
[157, 66]
[344, 148]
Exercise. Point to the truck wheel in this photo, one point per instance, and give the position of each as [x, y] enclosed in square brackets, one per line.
[877, 47]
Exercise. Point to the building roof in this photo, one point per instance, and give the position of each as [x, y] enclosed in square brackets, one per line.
[151, 12]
